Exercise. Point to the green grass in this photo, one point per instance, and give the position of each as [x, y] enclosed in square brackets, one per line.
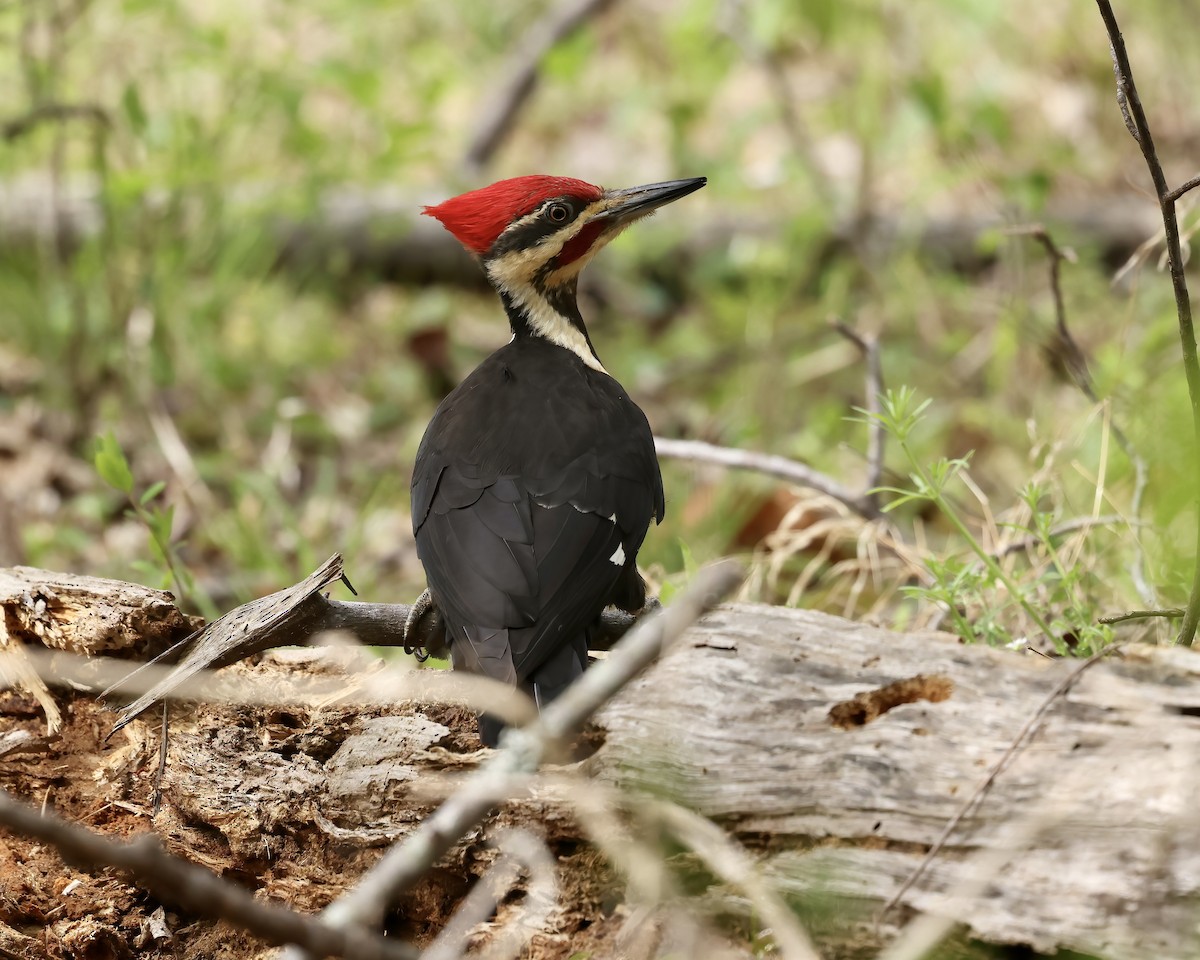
[282, 412]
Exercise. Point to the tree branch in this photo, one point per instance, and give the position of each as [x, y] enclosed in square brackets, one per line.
[876, 435]
[770, 464]
[1139, 126]
[17, 127]
[1179, 191]
[496, 119]
[294, 616]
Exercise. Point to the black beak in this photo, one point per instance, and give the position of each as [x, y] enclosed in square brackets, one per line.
[633, 203]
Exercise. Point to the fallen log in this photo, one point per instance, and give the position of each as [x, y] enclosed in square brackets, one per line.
[836, 752]
[379, 233]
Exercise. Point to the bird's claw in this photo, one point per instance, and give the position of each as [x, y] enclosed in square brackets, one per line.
[424, 630]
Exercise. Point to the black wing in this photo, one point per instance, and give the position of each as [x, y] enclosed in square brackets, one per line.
[533, 489]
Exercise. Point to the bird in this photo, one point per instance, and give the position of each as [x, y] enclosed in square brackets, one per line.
[536, 479]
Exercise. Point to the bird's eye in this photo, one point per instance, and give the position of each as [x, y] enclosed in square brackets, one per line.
[559, 212]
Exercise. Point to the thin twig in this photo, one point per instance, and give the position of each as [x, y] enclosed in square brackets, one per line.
[1022, 738]
[1139, 126]
[17, 127]
[1058, 530]
[918, 939]
[770, 464]
[522, 750]
[500, 110]
[1076, 363]
[741, 31]
[1170, 613]
[294, 616]
[195, 889]
[876, 434]
[1179, 191]
[519, 849]
[1071, 352]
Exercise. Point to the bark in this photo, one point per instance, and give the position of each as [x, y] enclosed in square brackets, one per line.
[836, 751]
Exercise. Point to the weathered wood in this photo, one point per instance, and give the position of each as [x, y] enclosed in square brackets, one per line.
[835, 750]
[81, 614]
[737, 724]
[133, 619]
[90, 615]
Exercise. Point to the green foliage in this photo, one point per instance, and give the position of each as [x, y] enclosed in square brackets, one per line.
[158, 520]
[982, 584]
[111, 464]
[293, 403]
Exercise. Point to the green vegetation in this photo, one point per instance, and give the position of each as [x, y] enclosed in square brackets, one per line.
[866, 161]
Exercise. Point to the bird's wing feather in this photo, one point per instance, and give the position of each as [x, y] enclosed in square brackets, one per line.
[529, 505]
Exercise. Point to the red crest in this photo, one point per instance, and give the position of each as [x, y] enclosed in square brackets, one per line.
[479, 217]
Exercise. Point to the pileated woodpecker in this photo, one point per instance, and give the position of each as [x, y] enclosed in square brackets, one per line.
[536, 480]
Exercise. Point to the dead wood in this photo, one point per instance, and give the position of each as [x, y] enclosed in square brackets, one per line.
[379, 233]
[836, 751]
[88, 615]
[93, 616]
[80, 614]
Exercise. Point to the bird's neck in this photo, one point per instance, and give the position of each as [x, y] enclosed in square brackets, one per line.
[552, 315]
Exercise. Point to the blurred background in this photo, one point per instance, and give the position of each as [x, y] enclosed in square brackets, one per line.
[212, 272]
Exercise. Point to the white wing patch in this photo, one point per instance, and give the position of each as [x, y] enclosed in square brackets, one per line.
[618, 556]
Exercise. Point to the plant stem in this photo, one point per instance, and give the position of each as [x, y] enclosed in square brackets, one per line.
[1135, 119]
[988, 560]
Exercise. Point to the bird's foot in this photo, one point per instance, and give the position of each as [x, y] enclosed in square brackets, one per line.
[652, 605]
[424, 630]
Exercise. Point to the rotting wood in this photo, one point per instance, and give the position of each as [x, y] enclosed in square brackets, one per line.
[92, 615]
[299, 614]
[736, 723]
[80, 614]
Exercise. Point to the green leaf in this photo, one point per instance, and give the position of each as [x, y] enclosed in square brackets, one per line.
[135, 112]
[152, 491]
[150, 573]
[161, 523]
[666, 592]
[689, 562]
[111, 464]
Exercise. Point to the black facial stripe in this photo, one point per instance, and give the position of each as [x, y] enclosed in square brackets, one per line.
[561, 299]
[536, 230]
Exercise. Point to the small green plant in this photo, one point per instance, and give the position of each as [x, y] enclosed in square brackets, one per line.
[670, 588]
[113, 468]
[958, 584]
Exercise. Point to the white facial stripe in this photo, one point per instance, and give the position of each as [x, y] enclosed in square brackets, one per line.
[549, 323]
[514, 272]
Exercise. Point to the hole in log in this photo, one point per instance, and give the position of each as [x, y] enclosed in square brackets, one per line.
[865, 707]
[591, 738]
